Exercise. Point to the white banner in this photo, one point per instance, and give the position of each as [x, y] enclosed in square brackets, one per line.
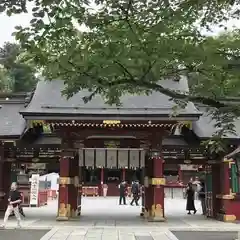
[81, 161]
[143, 153]
[100, 157]
[134, 158]
[111, 158]
[190, 167]
[89, 157]
[34, 189]
[122, 158]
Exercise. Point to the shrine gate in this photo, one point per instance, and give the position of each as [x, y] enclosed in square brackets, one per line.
[145, 130]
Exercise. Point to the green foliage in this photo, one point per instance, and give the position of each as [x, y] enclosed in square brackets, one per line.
[129, 46]
[6, 83]
[18, 76]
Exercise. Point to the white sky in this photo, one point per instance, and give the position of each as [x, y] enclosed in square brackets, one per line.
[7, 25]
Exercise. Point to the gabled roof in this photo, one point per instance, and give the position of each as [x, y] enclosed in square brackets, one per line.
[12, 124]
[205, 127]
[49, 103]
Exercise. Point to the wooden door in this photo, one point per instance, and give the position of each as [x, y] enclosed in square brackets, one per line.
[209, 193]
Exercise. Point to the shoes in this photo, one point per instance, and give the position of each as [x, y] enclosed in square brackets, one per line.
[2, 226]
[19, 225]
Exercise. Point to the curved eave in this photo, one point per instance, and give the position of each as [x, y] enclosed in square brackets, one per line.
[95, 116]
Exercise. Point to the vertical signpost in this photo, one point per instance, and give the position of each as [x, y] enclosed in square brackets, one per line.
[34, 190]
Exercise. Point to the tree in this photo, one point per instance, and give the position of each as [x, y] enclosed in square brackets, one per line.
[21, 76]
[130, 45]
[5, 80]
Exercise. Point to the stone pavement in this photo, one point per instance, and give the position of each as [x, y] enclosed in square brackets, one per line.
[104, 219]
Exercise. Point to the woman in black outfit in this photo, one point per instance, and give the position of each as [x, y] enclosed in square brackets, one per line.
[190, 199]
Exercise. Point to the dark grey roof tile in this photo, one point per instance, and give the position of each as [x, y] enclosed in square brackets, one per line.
[12, 124]
[205, 126]
[48, 99]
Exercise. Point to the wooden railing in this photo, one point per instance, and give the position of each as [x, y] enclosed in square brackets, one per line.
[90, 191]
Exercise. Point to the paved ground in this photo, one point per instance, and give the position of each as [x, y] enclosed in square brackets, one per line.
[206, 235]
[104, 219]
[22, 234]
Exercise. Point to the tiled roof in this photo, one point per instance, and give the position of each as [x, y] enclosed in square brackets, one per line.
[48, 100]
[205, 126]
[12, 124]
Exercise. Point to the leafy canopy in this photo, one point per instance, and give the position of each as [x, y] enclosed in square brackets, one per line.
[128, 46]
[16, 75]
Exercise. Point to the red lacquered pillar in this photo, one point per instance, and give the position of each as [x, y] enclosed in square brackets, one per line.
[228, 205]
[2, 192]
[6, 181]
[148, 189]
[73, 187]
[180, 177]
[123, 174]
[100, 192]
[157, 182]
[64, 204]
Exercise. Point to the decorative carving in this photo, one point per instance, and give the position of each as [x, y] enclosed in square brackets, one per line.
[157, 211]
[111, 122]
[64, 180]
[225, 197]
[69, 210]
[76, 181]
[62, 211]
[158, 181]
[229, 218]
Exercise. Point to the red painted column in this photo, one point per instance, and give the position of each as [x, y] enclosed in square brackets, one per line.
[180, 177]
[79, 201]
[64, 182]
[226, 177]
[2, 192]
[229, 205]
[102, 182]
[73, 188]
[157, 207]
[123, 174]
[102, 175]
[147, 187]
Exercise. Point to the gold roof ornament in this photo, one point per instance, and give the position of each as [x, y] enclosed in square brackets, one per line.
[111, 122]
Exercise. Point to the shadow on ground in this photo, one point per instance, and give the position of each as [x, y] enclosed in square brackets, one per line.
[185, 235]
[20, 234]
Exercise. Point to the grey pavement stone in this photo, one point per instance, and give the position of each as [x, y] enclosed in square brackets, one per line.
[200, 235]
[12, 234]
[104, 219]
[144, 238]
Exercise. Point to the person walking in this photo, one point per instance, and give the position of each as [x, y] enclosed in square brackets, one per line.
[201, 196]
[13, 205]
[135, 192]
[122, 192]
[105, 189]
[190, 199]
